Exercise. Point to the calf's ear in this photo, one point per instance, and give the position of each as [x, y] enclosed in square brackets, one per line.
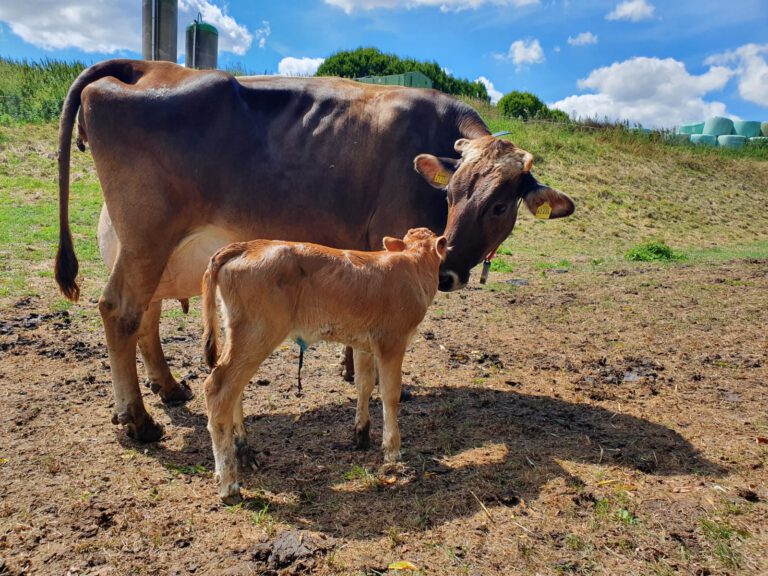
[441, 247]
[393, 244]
[547, 203]
[435, 171]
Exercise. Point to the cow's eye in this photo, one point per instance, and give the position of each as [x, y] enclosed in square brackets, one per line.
[499, 209]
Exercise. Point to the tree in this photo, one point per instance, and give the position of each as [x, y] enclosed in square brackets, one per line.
[373, 62]
[528, 106]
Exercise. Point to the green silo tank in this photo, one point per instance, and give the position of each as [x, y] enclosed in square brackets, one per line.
[202, 45]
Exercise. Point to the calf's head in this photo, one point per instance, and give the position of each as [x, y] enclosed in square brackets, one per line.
[484, 189]
[420, 241]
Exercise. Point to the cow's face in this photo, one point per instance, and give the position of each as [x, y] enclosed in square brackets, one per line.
[484, 188]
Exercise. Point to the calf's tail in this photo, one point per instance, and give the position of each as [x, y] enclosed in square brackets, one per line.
[210, 315]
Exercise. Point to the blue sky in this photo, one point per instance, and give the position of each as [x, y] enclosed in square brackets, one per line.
[654, 62]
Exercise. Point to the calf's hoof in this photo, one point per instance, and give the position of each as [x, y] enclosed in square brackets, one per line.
[246, 457]
[141, 429]
[363, 437]
[391, 456]
[230, 494]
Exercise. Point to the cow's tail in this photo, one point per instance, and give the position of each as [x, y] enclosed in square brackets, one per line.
[66, 266]
[210, 314]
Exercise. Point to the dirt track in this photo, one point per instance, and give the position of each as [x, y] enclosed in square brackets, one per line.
[583, 422]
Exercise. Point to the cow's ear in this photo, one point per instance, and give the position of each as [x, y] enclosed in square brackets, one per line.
[436, 172]
[441, 247]
[393, 244]
[547, 203]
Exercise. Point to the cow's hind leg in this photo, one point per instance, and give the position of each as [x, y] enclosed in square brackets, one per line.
[365, 379]
[161, 381]
[126, 296]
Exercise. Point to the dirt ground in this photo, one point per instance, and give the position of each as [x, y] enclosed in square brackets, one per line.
[583, 421]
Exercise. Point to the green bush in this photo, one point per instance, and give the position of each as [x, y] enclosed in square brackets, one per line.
[373, 62]
[653, 251]
[34, 91]
[528, 106]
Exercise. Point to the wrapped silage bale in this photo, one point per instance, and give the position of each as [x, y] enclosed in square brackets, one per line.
[694, 128]
[704, 139]
[764, 129]
[761, 141]
[731, 141]
[747, 128]
[718, 126]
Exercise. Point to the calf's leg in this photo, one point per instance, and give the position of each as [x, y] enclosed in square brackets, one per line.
[159, 374]
[365, 379]
[242, 451]
[224, 387]
[390, 367]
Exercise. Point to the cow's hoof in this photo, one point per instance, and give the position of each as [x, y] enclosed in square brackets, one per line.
[143, 430]
[363, 437]
[177, 394]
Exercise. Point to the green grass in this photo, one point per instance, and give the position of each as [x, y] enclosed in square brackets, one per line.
[653, 251]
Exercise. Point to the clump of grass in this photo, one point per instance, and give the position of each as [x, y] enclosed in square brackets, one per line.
[653, 251]
[722, 536]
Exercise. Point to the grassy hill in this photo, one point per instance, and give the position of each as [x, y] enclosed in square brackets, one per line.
[628, 188]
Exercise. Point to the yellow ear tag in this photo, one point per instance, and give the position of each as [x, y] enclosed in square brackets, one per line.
[544, 211]
[441, 178]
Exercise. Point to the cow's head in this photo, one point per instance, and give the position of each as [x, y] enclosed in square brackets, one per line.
[484, 188]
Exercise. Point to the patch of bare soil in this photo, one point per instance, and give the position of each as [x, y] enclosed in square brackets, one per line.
[578, 423]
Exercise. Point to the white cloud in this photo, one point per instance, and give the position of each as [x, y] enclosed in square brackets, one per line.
[490, 88]
[350, 6]
[523, 52]
[632, 10]
[649, 91]
[59, 24]
[751, 70]
[583, 39]
[233, 37]
[299, 66]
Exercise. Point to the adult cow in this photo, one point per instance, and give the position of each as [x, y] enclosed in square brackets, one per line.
[190, 161]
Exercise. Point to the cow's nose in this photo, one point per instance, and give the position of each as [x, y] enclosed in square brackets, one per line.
[449, 281]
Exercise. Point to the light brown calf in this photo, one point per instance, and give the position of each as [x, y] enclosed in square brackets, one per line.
[270, 291]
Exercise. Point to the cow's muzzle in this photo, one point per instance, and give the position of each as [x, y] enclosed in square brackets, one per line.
[450, 281]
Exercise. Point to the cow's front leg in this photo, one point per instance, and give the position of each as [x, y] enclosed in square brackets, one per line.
[161, 381]
[365, 379]
[390, 382]
[122, 304]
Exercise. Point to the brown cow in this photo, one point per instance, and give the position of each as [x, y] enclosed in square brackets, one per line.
[270, 291]
[190, 161]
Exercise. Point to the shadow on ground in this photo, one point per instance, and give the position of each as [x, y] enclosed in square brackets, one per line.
[459, 444]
